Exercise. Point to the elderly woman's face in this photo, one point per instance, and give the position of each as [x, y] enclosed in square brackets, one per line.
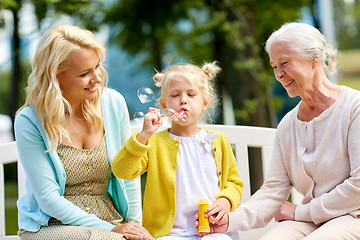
[81, 77]
[291, 69]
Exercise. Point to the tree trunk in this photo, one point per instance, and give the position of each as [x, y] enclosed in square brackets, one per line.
[244, 84]
[15, 61]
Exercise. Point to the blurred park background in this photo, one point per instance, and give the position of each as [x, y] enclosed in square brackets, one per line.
[142, 36]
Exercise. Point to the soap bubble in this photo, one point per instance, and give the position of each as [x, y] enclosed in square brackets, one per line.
[138, 116]
[145, 94]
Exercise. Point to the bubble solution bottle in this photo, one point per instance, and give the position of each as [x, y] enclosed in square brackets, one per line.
[203, 221]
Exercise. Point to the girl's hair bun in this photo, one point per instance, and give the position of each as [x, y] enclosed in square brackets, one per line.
[211, 69]
[158, 79]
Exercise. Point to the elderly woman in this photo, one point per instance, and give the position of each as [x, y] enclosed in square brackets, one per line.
[316, 149]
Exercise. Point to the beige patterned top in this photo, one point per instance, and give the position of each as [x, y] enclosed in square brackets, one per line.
[88, 173]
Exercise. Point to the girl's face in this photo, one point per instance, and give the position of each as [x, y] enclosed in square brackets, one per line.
[81, 77]
[292, 70]
[186, 96]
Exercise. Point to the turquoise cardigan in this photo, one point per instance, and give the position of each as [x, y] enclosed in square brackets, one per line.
[46, 176]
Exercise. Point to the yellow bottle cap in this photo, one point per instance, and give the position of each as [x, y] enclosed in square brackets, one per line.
[203, 201]
[204, 229]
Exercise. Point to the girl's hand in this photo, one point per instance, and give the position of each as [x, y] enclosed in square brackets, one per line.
[132, 230]
[218, 210]
[286, 212]
[220, 227]
[152, 121]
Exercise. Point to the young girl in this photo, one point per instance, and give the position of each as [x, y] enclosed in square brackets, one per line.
[185, 163]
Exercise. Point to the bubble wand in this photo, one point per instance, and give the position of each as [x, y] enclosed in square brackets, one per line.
[176, 115]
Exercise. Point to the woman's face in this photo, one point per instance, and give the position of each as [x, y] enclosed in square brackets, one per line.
[81, 77]
[292, 70]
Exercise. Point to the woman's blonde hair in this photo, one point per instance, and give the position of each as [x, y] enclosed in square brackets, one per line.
[201, 77]
[43, 90]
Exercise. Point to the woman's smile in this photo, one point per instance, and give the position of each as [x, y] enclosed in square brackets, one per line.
[91, 89]
[285, 84]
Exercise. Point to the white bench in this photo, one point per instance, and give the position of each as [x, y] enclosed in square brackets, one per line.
[241, 137]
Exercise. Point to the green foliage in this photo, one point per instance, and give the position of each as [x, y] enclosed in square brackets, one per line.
[10, 4]
[248, 108]
[7, 5]
[347, 23]
[83, 12]
[4, 90]
[170, 31]
[148, 26]
[5, 79]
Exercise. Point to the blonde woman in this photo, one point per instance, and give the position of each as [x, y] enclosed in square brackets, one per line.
[67, 133]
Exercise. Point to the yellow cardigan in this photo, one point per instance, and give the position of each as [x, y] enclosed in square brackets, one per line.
[158, 158]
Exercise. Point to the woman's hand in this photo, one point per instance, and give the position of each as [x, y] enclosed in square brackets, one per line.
[286, 212]
[219, 227]
[218, 210]
[218, 217]
[132, 230]
[152, 121]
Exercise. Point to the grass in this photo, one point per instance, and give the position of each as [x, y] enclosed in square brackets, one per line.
[353, 82]
[349, 71]
[349, 61]
[11, 226]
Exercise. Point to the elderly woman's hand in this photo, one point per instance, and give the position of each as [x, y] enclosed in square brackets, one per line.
[286, 212]
[132, 230]
[219, 227]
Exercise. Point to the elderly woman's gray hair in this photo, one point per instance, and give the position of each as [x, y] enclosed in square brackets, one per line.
[307, 41]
